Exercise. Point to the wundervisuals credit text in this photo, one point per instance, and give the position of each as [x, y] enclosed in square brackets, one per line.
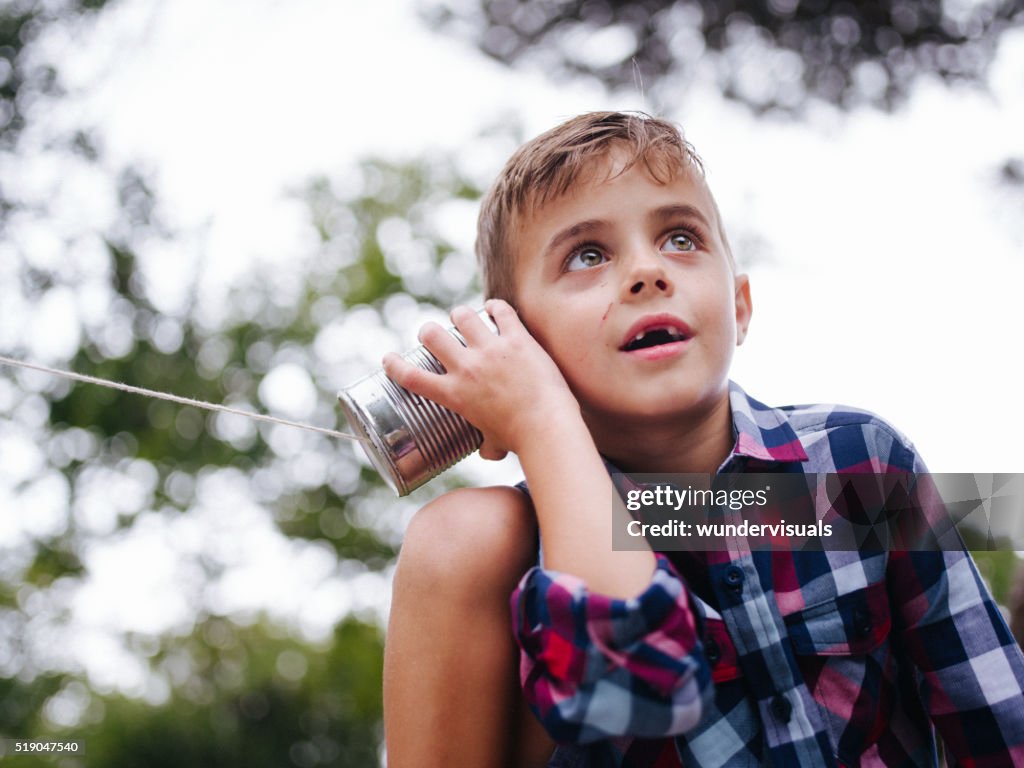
[844, 511]
[699, 512]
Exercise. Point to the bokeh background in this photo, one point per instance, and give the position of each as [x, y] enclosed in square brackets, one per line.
[249, 202]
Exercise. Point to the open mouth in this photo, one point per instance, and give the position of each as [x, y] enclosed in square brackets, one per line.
[654, 337]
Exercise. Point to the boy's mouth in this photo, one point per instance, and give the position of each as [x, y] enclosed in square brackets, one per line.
[655, 332]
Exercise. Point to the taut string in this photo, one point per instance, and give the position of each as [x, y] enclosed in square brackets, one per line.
[175, 398]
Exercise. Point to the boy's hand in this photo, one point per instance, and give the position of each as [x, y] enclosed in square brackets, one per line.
[505, 385]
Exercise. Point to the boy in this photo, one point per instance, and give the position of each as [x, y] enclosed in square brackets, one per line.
[604, 237]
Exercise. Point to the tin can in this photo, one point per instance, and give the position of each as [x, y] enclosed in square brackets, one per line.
[409, 439]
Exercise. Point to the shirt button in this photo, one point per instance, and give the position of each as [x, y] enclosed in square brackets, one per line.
[781, 708]
[862, 622]
[734, 578]
[712, 652]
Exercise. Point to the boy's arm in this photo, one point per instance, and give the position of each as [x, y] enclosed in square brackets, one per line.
[971, 670]
[631, 629]
[510, 389]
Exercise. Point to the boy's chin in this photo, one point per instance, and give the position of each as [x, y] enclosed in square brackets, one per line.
[647, 411]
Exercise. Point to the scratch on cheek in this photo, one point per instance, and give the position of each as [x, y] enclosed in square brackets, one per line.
[605, 315]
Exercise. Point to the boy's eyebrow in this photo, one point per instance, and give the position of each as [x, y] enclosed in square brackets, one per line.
[571, 233]
[672, 211]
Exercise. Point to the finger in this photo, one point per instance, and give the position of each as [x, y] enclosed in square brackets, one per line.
[505, 317]
[442, 345]
[471, 326]
[415, 379]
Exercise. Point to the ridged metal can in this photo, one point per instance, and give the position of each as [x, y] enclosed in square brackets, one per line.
[409, 439]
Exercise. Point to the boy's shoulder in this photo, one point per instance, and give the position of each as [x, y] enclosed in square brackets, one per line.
[827, 437]
[817, 417]
[501, 497]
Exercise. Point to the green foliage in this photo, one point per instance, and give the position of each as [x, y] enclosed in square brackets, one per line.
[21, 702]
[392, 192]
[24, 79]
[218, 690]
[331, 715]
[255, 698]
[998, 567]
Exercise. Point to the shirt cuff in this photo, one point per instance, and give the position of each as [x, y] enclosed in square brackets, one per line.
[594, 666]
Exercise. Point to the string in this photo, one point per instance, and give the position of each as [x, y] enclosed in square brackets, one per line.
[176, 399]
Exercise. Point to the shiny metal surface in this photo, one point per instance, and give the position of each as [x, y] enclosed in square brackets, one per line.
[411, 440]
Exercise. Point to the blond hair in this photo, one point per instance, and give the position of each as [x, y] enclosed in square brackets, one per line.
[548, 166]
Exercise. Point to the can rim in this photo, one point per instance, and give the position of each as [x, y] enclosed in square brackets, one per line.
[379, 457]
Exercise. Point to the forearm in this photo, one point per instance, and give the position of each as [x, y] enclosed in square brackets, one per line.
[573, 497]
[510, 389]
[598, 627]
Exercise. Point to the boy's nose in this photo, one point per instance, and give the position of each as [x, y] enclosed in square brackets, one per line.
[647, 276]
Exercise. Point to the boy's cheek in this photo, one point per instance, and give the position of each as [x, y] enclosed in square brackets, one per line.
[536, 334]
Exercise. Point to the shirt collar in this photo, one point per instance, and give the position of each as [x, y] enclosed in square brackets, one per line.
[762, 432]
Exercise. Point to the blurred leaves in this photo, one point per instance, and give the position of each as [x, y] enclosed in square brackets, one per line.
[767, 54]
[129, 456]
[221, 675]
[249, 696]
[386, 239]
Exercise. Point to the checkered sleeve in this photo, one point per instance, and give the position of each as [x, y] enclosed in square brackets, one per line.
[971, 672]
[594, 667]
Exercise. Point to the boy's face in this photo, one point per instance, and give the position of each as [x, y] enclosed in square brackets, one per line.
[627, 284]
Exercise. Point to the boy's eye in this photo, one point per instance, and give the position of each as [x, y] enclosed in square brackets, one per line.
[585, 258]
[680, 242]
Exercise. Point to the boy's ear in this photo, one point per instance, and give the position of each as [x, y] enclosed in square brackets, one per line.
[744, 307]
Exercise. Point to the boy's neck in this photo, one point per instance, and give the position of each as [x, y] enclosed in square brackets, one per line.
[689, 443]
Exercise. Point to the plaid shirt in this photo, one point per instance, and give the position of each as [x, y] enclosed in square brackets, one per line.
[779, 658]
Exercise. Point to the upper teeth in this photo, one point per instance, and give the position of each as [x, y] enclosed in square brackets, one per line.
[675, 334]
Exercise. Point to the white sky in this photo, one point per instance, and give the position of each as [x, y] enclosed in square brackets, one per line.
[894, 266]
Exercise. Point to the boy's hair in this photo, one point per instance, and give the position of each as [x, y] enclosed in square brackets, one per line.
[548, 166]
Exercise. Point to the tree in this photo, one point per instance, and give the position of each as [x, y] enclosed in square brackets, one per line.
[254, 698]
[768, 54]
[94, 440]
[96, 465]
